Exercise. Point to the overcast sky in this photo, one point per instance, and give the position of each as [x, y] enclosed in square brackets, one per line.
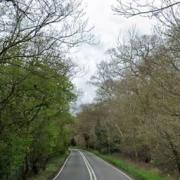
[107, 28]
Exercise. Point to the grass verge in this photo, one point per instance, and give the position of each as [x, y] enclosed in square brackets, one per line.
[131, 169]
[52, 168]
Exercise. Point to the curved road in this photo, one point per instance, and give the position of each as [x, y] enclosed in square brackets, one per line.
[82, 165]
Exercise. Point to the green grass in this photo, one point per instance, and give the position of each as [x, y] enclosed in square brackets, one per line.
[131, 169]
[52, 168]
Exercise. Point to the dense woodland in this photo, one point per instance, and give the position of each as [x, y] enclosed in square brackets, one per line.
[35, 81]
[137, 108]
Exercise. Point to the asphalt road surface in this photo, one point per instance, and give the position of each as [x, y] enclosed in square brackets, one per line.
[82, 165]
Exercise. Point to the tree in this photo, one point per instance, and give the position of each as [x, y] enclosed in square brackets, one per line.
[32, 22]
[139, 101]
[150, 8]
[36, 91]
[36, 115]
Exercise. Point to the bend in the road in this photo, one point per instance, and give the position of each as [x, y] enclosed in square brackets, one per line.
[83, 165]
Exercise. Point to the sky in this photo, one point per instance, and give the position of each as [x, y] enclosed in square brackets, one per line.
[107, 28]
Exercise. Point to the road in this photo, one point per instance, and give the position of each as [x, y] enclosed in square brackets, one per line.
[83, 165]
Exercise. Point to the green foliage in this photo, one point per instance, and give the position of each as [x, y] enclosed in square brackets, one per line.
[138, 102]
[35, 86]
[52, 168]
[34, 115]
[134, 171]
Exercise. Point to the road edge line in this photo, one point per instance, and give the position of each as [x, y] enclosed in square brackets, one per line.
[123, 173]
[61, 169]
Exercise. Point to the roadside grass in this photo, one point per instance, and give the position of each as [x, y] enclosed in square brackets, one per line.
[52, 168]
[131, 169]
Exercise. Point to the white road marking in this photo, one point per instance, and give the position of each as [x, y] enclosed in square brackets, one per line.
[89, 168]
[62, 167]
[93, 173]
[129, 178]
[89, 171]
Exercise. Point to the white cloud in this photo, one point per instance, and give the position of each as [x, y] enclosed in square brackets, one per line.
[107, 27]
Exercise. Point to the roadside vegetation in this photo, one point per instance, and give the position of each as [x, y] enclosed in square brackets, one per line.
[52, 168]
[132, 169]
[35, 83]
[137, 108]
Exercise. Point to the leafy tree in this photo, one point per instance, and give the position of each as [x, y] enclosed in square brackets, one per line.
[138, 94]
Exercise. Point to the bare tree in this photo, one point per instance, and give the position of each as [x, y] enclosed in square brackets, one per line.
[36, 26]
[145, 8]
